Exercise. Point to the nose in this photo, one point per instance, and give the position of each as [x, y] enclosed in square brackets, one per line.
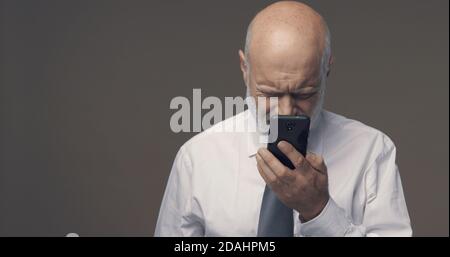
[286, 105]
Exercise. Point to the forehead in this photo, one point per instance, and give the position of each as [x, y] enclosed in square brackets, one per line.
[286, 58]
[286, 67]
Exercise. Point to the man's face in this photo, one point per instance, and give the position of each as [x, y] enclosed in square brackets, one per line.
[296, 82]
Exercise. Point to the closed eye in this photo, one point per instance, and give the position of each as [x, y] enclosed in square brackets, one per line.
[304, 96]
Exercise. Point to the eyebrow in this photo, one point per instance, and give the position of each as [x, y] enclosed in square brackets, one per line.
[268, 88]
[296, 91]
[312, 89]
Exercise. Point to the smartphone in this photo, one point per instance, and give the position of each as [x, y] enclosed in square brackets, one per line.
[292, 129]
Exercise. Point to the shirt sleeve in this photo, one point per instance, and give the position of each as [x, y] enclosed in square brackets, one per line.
[385, 212]
[179, 214]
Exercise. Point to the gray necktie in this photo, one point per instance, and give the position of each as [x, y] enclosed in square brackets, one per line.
[275, 218]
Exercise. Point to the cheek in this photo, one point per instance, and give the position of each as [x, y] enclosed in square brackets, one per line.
[270, 105]
[260, 101]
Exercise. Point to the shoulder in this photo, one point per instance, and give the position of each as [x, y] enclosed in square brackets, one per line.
[219, 136]
[344, 130]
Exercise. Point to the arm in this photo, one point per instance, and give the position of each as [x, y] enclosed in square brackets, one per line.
[385, 211]
[179, 214]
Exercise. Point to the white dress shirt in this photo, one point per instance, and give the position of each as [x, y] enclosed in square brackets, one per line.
[215, 189]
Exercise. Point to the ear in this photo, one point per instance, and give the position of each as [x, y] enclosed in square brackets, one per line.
[330, 64]
[243, 65]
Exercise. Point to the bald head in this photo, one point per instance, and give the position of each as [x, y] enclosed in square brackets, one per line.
[287, 56]
[287, 29]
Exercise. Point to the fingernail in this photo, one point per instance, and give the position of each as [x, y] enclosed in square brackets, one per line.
[282, 144]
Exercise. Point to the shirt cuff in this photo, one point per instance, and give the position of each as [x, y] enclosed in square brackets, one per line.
[332, 221]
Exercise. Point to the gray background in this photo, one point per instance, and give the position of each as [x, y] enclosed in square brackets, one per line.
[85, 140]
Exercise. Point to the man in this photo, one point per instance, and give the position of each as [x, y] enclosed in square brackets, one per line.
[347, 185]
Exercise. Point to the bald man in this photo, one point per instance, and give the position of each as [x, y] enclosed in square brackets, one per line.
[348, 183]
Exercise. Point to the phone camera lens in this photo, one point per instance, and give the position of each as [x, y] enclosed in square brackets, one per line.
[290, 126]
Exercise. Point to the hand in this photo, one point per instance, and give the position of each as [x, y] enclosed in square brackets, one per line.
[304, 188]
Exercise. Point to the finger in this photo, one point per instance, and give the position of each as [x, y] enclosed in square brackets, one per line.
[261, 172]
[281, 171]
[294, 156]
[273, 185]
[272, 180]
[267, 175]
[317, 162]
